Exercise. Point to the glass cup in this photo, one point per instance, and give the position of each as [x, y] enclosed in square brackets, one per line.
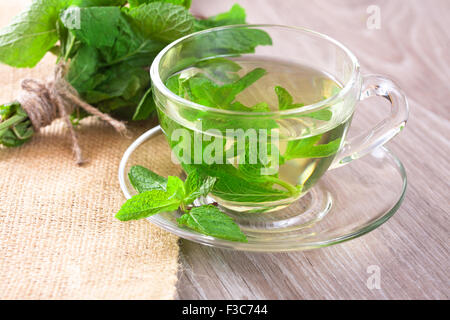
[265, 161]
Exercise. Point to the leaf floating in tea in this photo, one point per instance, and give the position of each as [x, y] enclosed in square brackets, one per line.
[308, 148]
[285, 102]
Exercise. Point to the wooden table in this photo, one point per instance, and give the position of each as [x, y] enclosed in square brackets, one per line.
[412, 48]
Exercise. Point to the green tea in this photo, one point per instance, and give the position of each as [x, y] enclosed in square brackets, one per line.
[256, 171]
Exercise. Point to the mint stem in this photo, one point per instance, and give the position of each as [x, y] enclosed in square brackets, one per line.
[12, 121]
[292, 189]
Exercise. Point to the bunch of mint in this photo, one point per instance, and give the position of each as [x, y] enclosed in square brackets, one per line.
[158, 194]
[109, 46]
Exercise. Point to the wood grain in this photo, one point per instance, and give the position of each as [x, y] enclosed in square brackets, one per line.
[412, 48]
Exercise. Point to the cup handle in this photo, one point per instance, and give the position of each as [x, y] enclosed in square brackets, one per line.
[359, 146]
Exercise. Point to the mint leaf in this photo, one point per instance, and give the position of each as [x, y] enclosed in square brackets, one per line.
[115, 81]
[98, 26]
[137, 3]
[323, 114]
[25, 41]
[133, 49]
[9, 109]
[154, 201]
[197, 186]
[82, 69]
[98, 3]
[307, 148]
[108, 29]
[145, 107]
[236, 15]
[229, 42]
[286, 102]
[234, 185]
[176, 187]
[120, 80]
[206, 92]
[9, 139]
[233, 89]
[160, 195]
[211, 221]
[259, 107]
[144, 180]
[253, 169]
[147, 204]
[15, 127]
[162, 21]
[184, 3]
[243, 189]
[201, 89]
[220, 70]
[173, 84]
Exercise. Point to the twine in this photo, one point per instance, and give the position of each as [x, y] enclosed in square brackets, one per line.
[46, 101]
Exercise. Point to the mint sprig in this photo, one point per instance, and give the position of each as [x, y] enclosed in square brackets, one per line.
[158, 194]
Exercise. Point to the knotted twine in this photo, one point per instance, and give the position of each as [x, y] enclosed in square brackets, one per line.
[45, 102]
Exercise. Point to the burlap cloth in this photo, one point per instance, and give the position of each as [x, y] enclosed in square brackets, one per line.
[58, 235]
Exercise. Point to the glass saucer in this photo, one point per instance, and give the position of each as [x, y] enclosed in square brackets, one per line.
[358, 197]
